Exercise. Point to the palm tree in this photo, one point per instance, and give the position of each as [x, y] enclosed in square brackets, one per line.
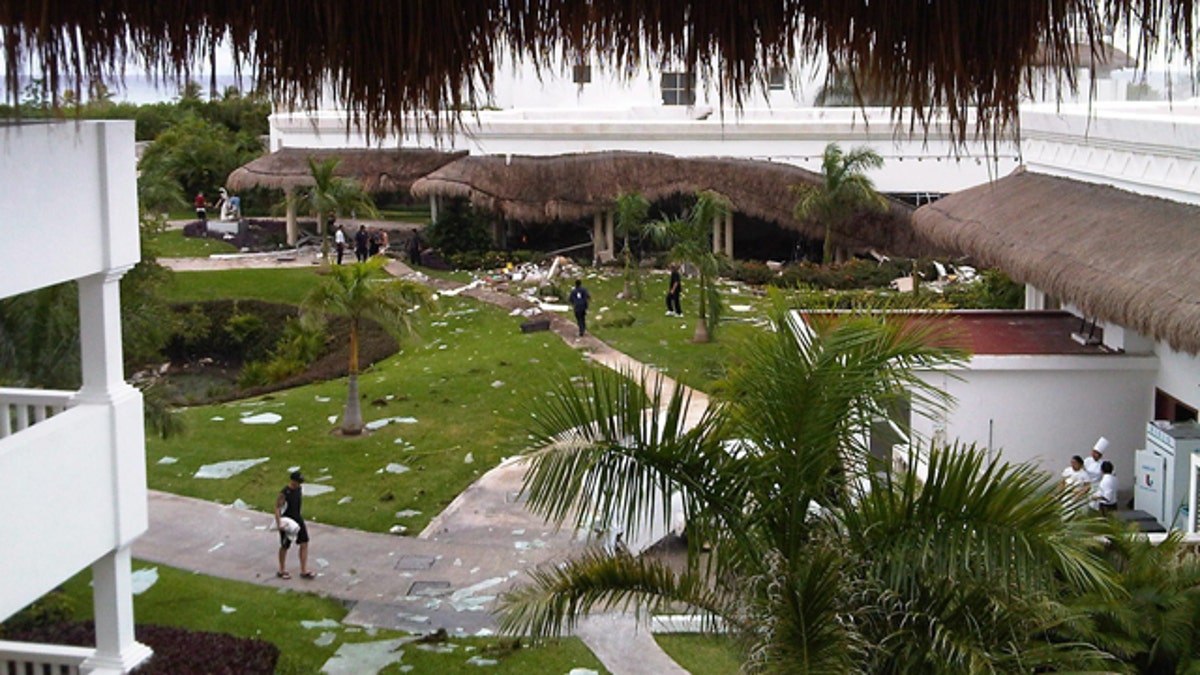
[632, 209]
[331, 195]
[844, 191]
[823, 560]
[689, 239]
[361, 291]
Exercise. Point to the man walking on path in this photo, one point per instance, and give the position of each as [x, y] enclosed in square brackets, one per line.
[579, 300]
[287, 505]
[361, 239]
[339, 239]
[673, 291]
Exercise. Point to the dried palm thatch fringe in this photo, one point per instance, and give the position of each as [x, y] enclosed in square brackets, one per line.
[574, 186]
[374, 170]
[1116, 255]
[384, 59]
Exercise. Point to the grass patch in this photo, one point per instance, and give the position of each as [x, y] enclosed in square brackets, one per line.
[288, 286]
[196, 602]
[467, 384]
[172, 244]
[702, 654]
[640, 328]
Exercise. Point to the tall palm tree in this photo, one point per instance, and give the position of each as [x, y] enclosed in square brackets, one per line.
[632, 209]
[844, 191]
[690, 241]
[331, 195]
[823, 559]
[362, 291]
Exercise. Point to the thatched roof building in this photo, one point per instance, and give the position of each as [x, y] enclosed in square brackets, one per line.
[374, 170]
[1118, 256]
[388, 59]
[575, 186]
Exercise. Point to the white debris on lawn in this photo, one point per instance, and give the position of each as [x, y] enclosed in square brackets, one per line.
[240, 505]
[362, 658]
[480, 661]
[345, 500]
[222, 470]
[323, 623]
[398, 529]
[381, 423]
[216, 418]
[323, 399]
[445, 648]
[485, 632]
[262, 418]
[168, 460]
[293, 428]
[226, 609]
[469, 459]
[407, 513]
[393, 467]
[312, 489]
[143, 579]
[583, 671]
[497, 384]
[325, 639]
[332, 419]
[742, 308]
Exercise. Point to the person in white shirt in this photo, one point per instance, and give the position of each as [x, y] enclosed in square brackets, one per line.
[1092, 464]
[1104, 496]
[339, 238]
[1074, 475]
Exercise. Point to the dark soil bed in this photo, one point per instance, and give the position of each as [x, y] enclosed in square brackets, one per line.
[177, 651]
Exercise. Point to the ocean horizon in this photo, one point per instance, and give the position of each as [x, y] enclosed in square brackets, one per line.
[141, 88]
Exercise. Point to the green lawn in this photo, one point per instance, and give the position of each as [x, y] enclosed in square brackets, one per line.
[200, 602]
[172, 244]
[641, 329]
[702, 654]
[289, 285]
[463, 390]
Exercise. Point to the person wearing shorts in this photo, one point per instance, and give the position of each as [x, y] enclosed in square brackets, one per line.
[288, 504]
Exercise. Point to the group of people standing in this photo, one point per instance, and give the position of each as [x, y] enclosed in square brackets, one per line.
[367, 242]
[1094, 475]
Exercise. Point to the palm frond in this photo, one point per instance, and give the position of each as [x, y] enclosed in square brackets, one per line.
[559, 595]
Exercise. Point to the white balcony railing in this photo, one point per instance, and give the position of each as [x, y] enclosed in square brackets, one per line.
[22, 408]
[29, 657]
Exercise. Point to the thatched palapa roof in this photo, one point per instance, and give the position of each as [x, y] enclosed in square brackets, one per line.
[1120, 257]
[374, 170]
[386, 59]
[575, 186]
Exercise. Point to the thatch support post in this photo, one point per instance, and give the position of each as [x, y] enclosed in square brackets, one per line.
[729, 234]
[289, 197]
[434, 206]
[609, 234]
[597, 236]
[1034, 299]
[716, 234]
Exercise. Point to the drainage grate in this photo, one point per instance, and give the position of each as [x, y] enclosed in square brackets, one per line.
[430, 588]
[415, 562]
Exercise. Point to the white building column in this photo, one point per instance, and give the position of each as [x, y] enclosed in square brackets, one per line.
[716, 230]
[729, 234]
[1034, 299]
[112, 591]
[434, 207]
[609, 234]
[597, 236]
[104, 384]
[289, 197]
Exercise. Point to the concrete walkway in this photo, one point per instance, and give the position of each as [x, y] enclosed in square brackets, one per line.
[449, 576]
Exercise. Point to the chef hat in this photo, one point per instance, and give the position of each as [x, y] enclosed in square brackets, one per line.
[1101, 445]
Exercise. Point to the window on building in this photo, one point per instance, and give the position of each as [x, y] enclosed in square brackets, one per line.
[777, 79]
[1167, 407]
[678, 89]
[582, 74]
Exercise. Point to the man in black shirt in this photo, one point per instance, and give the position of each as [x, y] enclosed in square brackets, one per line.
[360, 244]
[287, 505]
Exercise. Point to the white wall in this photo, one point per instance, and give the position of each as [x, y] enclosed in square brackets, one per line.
[70, 195]
[1043, 409]
[1179, 375]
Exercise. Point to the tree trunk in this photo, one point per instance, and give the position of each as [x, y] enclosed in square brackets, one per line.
[352, 422]
[827, 255]
[324, 241]
[701, 334]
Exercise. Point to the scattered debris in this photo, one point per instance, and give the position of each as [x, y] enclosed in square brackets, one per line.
[262, 418]
[222, 470]
[394, 468]
[312, 489]
[143, 579]
[365, 657]
[226, 609]
[168, 460]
